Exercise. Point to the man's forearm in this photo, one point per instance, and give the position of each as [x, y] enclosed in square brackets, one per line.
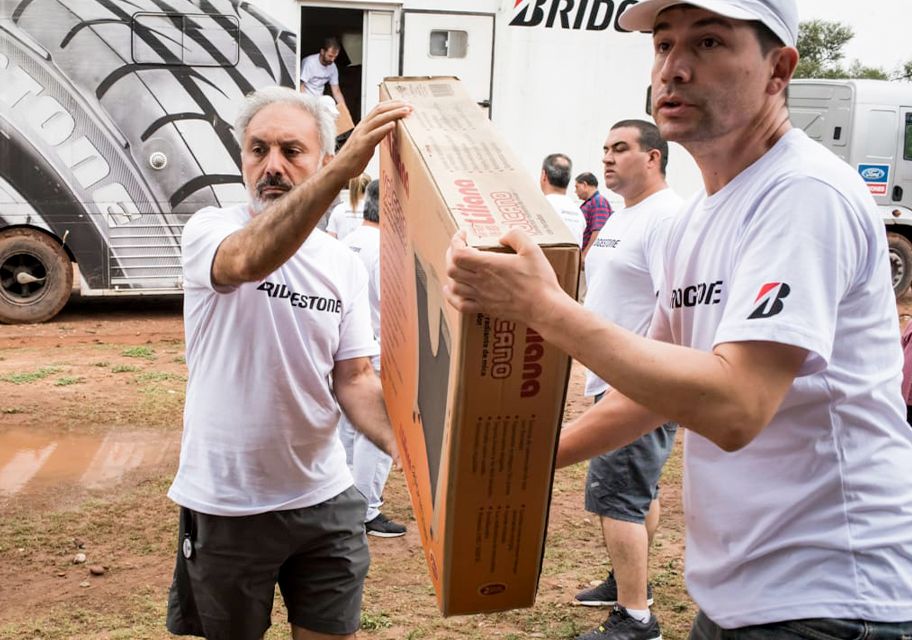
[272, 237]
[614, 422]
[727, 395]
[362, 401]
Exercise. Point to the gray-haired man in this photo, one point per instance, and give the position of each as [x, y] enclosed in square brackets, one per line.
[278, 336]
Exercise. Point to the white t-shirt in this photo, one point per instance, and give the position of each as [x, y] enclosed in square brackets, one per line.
[570, 213]
[260, 415]
[315, 75]
[623, 267]
[343, 219]
[813, 518]
[365, 242]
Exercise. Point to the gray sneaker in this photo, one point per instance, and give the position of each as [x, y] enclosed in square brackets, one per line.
[621, 626]
[606, 594]
[383, 527]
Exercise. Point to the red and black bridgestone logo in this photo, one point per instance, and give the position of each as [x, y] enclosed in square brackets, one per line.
[769, 300]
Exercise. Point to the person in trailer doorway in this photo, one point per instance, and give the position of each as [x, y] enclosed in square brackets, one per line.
[554, 180]
[279, 344]
[319, 69]
[369, 464]
[595, 207]
[774, 341]
[623, 271]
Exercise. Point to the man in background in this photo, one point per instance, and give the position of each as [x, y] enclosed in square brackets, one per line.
[623, 272]
[595, 207]
[370, 465]
[319, 69]
[554, 180]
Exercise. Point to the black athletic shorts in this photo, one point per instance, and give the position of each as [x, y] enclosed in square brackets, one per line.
[317, 555]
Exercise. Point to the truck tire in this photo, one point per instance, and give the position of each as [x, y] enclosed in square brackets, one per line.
[121, 114]
[36, 276]
[900, 262]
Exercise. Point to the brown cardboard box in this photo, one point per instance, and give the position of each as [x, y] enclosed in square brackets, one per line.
[344, 122]
[476, 402]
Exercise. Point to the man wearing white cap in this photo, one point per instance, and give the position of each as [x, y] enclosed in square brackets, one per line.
[774, 342]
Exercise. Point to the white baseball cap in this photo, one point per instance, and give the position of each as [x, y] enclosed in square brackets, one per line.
[781, 16]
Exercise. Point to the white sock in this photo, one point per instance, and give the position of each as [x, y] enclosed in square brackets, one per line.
[641, 615]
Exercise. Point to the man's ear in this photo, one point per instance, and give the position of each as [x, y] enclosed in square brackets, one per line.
[784, 60]
[655, 157]
[326, 159]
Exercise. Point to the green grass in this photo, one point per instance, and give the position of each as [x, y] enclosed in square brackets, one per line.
[145, 353]
[103, 364]
[375, 621]
[124, 368]
[32, 376]
[68, 380]
[159, 376]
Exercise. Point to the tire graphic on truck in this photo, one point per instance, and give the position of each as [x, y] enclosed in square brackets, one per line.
[115, 126]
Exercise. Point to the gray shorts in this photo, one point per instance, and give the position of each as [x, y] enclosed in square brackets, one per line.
[621, 484]
[317, 555]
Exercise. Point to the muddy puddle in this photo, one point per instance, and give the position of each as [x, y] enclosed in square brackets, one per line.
[36, 461]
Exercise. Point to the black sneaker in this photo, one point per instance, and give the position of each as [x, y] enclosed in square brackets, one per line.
[621, 626]
[383, 527]
[606, 594]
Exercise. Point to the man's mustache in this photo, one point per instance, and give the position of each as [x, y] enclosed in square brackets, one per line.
[272, 180]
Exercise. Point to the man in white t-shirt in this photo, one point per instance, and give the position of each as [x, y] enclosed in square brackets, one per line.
[623, 271]
[554, 180]
[369, 464]
[319, 69]
[775, 342]
[278, 342]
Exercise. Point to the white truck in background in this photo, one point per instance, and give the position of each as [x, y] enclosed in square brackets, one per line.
[116, 115]
[868, 123]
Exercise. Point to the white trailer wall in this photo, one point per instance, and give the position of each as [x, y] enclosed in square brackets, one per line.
[554, 88]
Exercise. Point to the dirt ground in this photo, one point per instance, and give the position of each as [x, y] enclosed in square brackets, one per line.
[90, 414]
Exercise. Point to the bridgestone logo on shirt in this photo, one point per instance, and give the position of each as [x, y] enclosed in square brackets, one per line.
[315, 303]
[607, 243]
[705, 293]
[769, 300]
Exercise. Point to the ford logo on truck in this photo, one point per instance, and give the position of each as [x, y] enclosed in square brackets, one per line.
[873, 174]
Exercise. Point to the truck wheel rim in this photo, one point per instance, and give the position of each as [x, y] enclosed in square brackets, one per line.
[896, 267]
[15, 291]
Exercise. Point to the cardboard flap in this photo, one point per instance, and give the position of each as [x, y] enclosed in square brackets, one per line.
[478, 177]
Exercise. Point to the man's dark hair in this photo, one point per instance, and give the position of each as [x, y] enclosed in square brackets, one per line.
[372, 202]
[587, 178]
[557, 167]
[330, 42]
[765, 36]
[650, 138]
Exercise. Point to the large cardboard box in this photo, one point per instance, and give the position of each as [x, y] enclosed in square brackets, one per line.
[344, 122]
[476, 402]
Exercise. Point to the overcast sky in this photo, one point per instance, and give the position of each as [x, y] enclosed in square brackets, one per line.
[883, 28]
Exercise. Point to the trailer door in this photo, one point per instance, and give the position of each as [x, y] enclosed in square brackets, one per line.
[450, 44]
[902, 183]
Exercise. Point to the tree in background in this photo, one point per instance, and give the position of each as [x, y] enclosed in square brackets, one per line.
[821, 43]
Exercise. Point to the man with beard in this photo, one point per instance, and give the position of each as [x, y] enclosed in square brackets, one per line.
[319, 69]
[278, 337]
[774, 341]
